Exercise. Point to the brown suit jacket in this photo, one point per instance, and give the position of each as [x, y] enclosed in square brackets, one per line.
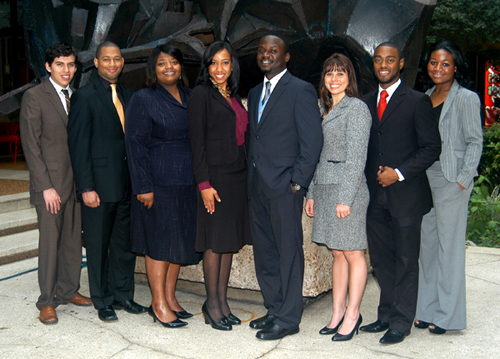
[44, 138]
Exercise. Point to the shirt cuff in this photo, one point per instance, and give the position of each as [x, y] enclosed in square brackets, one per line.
[204, 185]
[401, 178]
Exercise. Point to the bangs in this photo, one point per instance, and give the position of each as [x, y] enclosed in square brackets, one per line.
[336, 65]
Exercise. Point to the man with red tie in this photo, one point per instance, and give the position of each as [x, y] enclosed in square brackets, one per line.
[404, 142]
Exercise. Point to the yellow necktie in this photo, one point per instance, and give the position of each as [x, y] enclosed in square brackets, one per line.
[118, 105]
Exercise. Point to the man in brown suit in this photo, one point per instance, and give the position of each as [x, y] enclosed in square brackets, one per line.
[43, 120]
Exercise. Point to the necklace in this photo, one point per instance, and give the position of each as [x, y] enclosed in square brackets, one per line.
[224, 93]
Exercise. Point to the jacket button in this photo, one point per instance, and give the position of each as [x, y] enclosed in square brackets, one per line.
[256, 136]
[381, 153]
[379, 132]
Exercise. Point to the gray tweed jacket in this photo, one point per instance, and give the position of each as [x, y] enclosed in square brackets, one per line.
[346, 130]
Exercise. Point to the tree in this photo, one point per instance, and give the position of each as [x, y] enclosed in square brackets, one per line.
[472, 24]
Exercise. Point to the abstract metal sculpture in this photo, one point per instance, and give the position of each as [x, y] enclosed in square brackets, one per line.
[315, 29]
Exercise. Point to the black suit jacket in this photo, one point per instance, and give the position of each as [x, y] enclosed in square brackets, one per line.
[285, 145]
[212, 131]
[97, 142]
[406, 138]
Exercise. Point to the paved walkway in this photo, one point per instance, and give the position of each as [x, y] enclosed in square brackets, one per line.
[80, 334]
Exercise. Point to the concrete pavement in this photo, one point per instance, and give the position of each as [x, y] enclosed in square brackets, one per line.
[80, 334]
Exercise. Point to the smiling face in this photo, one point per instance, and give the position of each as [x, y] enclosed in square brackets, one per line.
[336, 83]
[221, 67]
[62, 70]
[387, 65]
[441, 67]
[271, 56]
[168, 70]
[110, 63]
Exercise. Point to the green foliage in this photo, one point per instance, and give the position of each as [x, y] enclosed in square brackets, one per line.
[490, 160]
[483, 224]
[472, 24]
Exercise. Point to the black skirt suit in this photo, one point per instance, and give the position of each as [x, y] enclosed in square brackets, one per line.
[160, 161]
[217, 158]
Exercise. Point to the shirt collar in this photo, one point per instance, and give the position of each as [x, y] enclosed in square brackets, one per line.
[390, 90]
[274, 81]
[58, 87]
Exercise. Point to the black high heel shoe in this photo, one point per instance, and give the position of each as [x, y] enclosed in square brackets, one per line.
[344, 337]
[222, 324]
[182, 314]
[436, 329]
[233, 319]
[173, 324]
[330, 331]
[420, 324]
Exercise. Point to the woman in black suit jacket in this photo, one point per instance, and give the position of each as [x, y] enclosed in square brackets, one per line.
[217, 126]
[161, 170]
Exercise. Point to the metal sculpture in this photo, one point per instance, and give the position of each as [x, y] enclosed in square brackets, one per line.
[315, 29]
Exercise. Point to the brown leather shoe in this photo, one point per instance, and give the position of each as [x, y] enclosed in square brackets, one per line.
[48, 315]
[81, 300]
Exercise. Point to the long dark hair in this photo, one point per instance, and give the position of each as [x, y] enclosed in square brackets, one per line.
[151, 65]
[340, 63]
[233, 82]
[458, 58]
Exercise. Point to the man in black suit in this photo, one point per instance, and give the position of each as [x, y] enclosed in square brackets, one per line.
[285, 141]
[404, 141]
[97, 148]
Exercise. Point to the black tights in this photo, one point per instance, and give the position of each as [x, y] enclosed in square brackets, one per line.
[216, 269]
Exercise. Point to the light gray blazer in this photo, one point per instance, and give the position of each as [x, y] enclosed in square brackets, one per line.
[461, 135]
[346, 130]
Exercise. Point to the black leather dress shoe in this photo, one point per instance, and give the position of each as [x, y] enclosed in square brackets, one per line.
[392, 336]
[130, 306]
[375, 327]
[183, 314]
[262, 322]
[275, 332]
[107, 314]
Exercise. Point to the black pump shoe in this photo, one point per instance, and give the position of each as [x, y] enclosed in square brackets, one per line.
[182, 315]
[173, 324]
[330, 331]
[233, 319]
[344, 337]
[222, 324]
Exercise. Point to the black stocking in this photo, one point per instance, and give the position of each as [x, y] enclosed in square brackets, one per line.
[225, 272]
[211, 270]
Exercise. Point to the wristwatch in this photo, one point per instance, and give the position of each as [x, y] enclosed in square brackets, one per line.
[296, 187]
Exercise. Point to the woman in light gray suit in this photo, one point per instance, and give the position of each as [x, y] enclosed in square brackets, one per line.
[441, 288]
[338, 195]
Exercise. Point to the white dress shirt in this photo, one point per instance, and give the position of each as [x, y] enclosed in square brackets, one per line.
[60, 93]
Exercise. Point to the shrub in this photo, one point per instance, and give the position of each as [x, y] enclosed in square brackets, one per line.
[483, 227]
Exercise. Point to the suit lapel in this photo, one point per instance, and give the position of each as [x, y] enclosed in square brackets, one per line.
[253, 99]
[275, 95]
[218, 97]
[449, 98]
[396, 99]
[335, 113]
[105, 98]
[55, 100]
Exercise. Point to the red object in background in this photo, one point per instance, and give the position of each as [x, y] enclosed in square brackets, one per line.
[492, 93]
[9, 132]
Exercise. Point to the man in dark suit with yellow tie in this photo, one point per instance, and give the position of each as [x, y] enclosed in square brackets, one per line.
[97, 147]
[42, 121]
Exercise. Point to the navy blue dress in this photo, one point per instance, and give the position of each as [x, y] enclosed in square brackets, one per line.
[160, 161]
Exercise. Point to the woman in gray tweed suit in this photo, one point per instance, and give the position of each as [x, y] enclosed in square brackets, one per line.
[338, 195]
[441, 282]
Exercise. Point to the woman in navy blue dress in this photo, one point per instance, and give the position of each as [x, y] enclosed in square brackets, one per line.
[161, 169]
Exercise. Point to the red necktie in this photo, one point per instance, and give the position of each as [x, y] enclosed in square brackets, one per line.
[382, 104]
